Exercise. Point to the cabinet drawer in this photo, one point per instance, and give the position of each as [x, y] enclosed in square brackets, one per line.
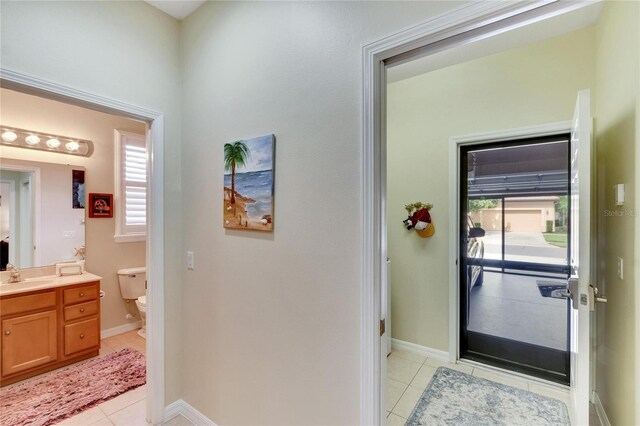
[31, 302]
[81, 335]
[80, 294]
[80, 310]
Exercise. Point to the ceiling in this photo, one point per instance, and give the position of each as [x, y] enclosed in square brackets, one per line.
[552, 27]
[179, 9]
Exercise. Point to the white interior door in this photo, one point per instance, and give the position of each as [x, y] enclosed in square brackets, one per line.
[580, 257]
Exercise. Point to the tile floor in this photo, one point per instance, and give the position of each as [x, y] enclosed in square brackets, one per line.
[408, 374]
[128, 409]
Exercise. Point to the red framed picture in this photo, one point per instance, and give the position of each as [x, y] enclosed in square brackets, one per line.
[100, 205]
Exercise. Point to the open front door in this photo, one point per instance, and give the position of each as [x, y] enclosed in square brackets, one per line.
[580, 257]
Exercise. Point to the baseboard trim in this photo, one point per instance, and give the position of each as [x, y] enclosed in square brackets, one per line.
[120, 329]
[419, 349]
[604, 420]
[180, 407]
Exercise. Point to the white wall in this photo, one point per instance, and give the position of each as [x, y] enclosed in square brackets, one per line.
[271, 322]
[124, 50]
[531, 85]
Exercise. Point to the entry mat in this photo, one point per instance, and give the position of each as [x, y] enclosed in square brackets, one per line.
[456, 398]
[553, 289]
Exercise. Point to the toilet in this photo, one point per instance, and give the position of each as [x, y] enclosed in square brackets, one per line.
[132, 287]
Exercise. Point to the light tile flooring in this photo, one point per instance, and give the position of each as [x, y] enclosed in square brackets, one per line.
[128, 409]
[408, 374]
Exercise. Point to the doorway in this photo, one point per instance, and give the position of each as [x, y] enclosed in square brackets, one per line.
[424, 41]
[514, 255]
[155, 388]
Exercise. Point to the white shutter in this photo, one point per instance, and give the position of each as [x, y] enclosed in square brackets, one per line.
[132, 185]
[134, 173]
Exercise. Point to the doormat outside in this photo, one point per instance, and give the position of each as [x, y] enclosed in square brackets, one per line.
[552, 289]
[59, 395]
[456, 398]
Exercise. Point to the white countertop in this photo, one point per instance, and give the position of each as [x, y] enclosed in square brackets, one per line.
[43, 283]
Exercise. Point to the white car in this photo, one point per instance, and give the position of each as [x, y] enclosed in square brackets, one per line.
[475, 250]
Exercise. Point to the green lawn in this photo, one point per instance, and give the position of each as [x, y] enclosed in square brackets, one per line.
[559, 240]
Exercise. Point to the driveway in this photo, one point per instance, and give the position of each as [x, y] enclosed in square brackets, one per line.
[523, 246]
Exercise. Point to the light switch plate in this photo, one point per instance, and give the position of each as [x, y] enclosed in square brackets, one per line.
[620, 268]
[190, 261]
[618, 194]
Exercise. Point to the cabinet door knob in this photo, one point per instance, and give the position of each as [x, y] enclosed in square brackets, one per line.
[8, 332]
[82, 336]
[81, 294]
[81, 310]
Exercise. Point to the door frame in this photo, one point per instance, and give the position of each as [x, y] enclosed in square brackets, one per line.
[12, 216]
[455, 144]
[155, 258]
[463, 25]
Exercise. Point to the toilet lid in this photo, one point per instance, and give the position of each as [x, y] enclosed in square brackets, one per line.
[142, 300]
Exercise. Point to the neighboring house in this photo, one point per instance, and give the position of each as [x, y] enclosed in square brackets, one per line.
[522, 214]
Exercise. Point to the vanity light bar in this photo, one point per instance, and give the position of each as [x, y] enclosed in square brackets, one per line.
[29, 139]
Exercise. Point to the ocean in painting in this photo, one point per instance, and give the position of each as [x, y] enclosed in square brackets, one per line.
[255, 185]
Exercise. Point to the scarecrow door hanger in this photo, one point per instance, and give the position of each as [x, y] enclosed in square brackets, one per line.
[419, 219]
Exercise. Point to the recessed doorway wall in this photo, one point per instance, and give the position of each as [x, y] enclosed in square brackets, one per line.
[514, 247]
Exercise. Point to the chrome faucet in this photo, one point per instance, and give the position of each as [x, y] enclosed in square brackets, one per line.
[15, 274]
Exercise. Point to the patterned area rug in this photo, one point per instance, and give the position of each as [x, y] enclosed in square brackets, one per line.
[455, 398]
[62, 394]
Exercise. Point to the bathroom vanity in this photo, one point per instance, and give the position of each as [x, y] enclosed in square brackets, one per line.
[47, 323]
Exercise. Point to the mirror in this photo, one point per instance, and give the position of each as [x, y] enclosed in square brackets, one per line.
[42, 217]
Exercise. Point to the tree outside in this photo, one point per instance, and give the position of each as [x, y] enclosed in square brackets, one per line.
[477, 205]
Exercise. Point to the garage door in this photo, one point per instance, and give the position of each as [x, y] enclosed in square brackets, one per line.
[524, 221]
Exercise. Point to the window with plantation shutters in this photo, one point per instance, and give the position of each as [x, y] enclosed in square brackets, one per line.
[131, 186]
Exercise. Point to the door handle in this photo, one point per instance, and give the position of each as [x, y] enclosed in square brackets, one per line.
[595, 298]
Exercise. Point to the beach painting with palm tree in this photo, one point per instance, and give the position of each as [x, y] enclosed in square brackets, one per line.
[248, 183]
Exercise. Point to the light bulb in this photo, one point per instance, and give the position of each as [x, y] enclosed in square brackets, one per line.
[72, 146]
[53, 143]
[9, 136]
[32, 140]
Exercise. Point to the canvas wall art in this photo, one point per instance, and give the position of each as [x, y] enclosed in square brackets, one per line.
[100, 205]
[248, 183]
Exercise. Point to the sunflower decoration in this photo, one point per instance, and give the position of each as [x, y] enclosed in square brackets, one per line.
[419, 218]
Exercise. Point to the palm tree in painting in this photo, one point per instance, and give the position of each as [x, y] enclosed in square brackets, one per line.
[235, 154]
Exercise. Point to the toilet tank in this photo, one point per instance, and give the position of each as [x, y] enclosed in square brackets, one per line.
[132, 282]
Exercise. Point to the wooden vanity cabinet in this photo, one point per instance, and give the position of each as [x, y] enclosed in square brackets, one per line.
[47, 329]
[29, 341]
